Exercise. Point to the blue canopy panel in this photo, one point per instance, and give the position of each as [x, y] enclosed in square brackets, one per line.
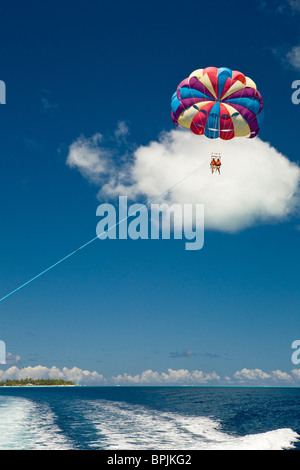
[175, 103]
[212, 128]
[223, 74]
[186, 93]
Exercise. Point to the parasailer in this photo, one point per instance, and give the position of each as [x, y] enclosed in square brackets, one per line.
[215, 163]
[218, 165]
[219, 103]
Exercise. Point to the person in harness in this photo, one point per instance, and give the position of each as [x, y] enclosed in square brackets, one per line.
[218, 165]
[213, 164]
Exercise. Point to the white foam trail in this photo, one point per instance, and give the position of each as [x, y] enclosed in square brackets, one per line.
[122, 426]
[25, 425]
[278, 439]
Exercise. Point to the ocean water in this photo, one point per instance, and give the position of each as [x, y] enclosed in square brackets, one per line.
[149, 418]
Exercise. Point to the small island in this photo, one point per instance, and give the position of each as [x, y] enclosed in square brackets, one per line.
[36, 382]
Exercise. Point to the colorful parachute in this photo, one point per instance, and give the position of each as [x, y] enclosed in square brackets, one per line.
[218, 102]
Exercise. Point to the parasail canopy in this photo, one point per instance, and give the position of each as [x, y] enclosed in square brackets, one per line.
[218, 103]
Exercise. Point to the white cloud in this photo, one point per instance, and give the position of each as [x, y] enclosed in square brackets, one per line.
[41, 372]
[198, 377]
[257, 184]
[86, 155]
[46, 104]
[284, 7]
[183, 375]
[281, 376]
[254, 375]
[296, 374]
[180, 376]
[293, 57]
[251, 374]
[122, 130]
[295, 5]
[12, 359]
[147, 376]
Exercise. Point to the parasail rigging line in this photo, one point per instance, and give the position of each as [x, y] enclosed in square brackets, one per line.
[98, 236]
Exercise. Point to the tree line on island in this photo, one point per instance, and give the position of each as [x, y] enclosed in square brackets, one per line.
[29, 381]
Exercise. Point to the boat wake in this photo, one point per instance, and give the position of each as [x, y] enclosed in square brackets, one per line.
[102, 424]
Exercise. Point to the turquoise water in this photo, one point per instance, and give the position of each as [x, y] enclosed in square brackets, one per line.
[149, 418]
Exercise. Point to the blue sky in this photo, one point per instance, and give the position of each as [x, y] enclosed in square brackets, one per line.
[122, 306]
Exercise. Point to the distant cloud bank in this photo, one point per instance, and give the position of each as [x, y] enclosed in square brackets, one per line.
[243, 377]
